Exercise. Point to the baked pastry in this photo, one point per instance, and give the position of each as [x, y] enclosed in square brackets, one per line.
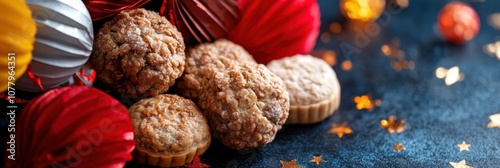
[313, 87]
[138, 53]
[246, 105]
[170, 130]
[216, 56]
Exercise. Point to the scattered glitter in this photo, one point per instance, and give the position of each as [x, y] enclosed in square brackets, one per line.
[494, 121]
[365, 102]
[460, 164]
[392, 125]
[325, 37]
[346, 65]
[463, 146]
[340, 130]
[335, 28]
[317, 159]
[399, 147]
[329, 57]
[396, 56]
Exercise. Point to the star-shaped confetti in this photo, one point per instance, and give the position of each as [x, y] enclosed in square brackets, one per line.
[196, 163]
[460, 164]
[450, 76]
[392, 125]
[494, 121]
[463, 146]
[340, 130]
[366, 102]
[399, 147]
[317, 159]
[290, 164]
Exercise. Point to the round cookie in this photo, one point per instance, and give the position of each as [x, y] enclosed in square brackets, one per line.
[313, 87]
[169, 130]
[203, 58]
[138, 53]
[246, 105]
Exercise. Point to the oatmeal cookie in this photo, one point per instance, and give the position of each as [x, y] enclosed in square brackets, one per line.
[205, 57]
[138, 53]
[169, 130]
[245, 105]
[313, 87]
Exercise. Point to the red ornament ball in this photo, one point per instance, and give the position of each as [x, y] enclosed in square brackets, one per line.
[102, 9]
[458, 22]
[271, 30]
[74, 126]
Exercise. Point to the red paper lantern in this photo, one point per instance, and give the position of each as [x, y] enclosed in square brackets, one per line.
[101, 9]
[75, 126]
[272, 29]
[458, 22]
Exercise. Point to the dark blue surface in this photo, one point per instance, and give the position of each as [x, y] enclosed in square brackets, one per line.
[438, 116]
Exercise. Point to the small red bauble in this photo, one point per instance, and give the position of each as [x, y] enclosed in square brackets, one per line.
[75, 126]
[102, 9]
[274, 29]
[458, 22]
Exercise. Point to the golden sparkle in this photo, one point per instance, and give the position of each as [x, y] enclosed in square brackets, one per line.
[399, 147]
[366, 102]
[317, 159]
[494, 121]
[340, 130]
[460, 164]
[329, 57]
[463, 146]
[290, 164]
[450, 76]
[392, 125]
[396, 56]
[362, 10]
[346, 65]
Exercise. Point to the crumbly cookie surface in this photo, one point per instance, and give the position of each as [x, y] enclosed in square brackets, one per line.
[168, 124]
[207, 58]
[138, 53]
[308, 79]
[246, 105]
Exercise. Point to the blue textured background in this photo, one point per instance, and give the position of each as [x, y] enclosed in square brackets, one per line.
[438, 116]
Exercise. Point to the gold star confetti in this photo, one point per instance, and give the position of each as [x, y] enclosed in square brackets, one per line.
[463, 146]
[365, 102]
[460, 164]
[290, 164]
[340, 130]
[346, 65]
[493, 49]
[494, 121]
[392, 125]
[450, 76]
[317, 159]
[399, 147]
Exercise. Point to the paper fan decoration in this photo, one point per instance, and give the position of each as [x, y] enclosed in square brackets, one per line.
[201, 20]
[75, 126]
[17, 36]
[63, 43]
[272, 29]
[101, 9]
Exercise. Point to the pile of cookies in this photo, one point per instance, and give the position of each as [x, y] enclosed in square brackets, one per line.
[212, 89]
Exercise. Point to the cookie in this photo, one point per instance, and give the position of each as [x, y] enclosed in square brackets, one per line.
[169, 130]
[245, 104]
[205, 58]
[138, 54]
[313, 87]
